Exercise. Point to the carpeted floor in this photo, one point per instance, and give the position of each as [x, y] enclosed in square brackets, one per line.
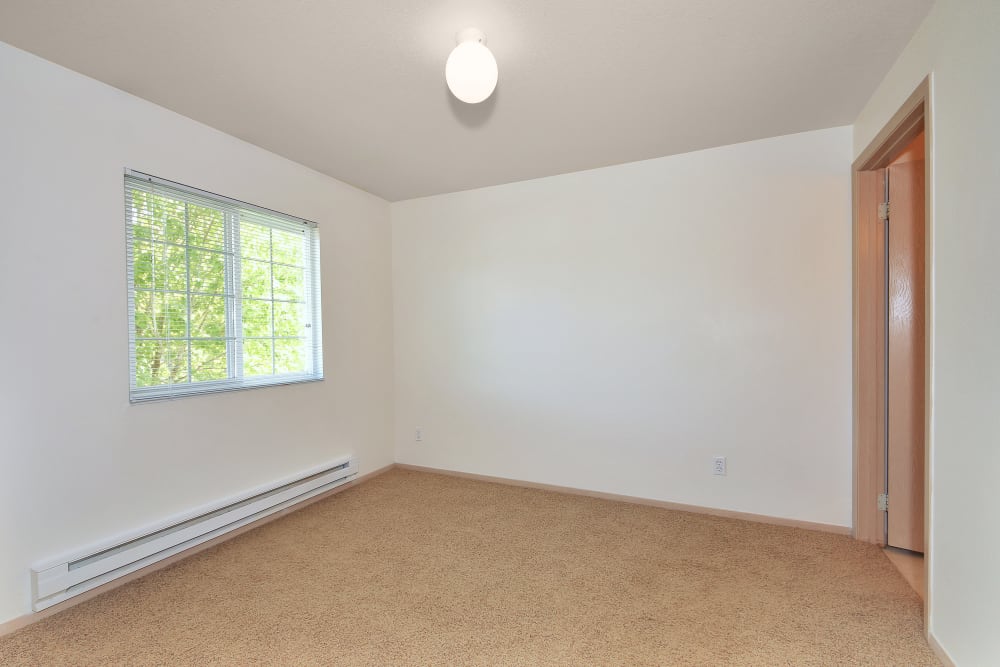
[411, 568]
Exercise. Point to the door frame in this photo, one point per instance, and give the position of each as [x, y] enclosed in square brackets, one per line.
[912, 117]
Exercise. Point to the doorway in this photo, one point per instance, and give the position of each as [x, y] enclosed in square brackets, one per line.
[891, 408]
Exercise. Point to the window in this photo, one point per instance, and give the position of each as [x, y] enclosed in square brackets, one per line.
[222, 295]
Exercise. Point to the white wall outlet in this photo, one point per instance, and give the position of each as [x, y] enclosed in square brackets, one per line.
[418, 435]
[719, 465]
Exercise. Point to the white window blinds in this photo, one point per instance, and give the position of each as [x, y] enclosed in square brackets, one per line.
[222, 294]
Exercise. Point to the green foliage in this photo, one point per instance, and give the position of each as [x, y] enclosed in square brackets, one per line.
[257, 357]
[256, 318]
[180, 275]
[289, 282]
[287, 247]
[256, 279]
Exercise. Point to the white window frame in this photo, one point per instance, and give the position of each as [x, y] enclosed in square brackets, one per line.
[234, 338]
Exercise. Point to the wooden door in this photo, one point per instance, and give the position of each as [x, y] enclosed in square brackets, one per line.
[906, 381]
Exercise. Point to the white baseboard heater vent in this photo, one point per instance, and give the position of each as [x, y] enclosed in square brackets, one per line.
[60, 578]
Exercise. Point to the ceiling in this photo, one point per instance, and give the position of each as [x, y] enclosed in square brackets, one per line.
[355, 88]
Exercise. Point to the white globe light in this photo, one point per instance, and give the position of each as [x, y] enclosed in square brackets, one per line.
[471, 70]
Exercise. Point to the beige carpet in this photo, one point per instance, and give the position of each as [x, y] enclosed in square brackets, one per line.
[411, 568]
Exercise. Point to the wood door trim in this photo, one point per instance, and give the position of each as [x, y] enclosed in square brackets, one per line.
[869, 357]
[913, 116]
[901, 129]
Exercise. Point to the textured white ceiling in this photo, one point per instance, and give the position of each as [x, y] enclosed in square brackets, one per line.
[355, 88]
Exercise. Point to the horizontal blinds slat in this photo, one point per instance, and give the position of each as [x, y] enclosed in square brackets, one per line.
[290, 225]
[187, 196]
[155, 181]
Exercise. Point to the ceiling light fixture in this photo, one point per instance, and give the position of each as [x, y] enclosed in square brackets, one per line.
[471, 70]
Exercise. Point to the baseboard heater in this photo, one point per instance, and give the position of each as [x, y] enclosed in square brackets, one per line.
[60, 578]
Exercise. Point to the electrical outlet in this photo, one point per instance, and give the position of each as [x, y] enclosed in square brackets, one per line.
[419, 435]
[719, 465]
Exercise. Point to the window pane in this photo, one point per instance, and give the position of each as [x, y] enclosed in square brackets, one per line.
[168, 219]
[142, 267]
[289, 282]
[141, 230]
[208, 360]
[171, 314]
[174, 265]
[208, 271]
[289, 356]
[255, 241]
[146, 360]
[289, 319]
[160, 362]
[257, 357]
[158, 218]
[256, 277]
[160, 315]
[142, 215]
[206, 228]
[257, 318]
[165, 266]
[287, 247]
[145, 321]
[208, 316]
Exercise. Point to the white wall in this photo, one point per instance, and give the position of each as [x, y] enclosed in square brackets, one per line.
[959, 45]
[78, 462]
[615, 329]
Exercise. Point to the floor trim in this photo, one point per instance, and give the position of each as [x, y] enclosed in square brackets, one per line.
[696, 509]
[19, 622]
[939, 651]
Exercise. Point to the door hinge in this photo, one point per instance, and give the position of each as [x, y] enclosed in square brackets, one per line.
[883, 211]
[883, 502]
